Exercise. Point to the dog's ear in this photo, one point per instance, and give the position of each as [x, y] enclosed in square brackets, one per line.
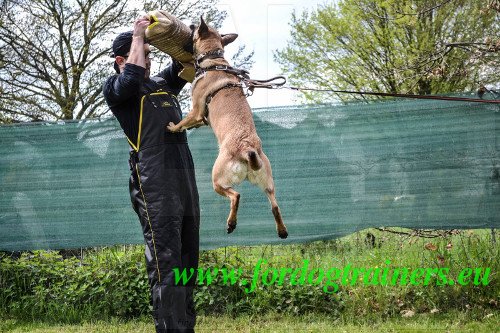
[228, 38]
[202, 28]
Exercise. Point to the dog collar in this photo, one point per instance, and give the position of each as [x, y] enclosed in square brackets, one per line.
[218, 53]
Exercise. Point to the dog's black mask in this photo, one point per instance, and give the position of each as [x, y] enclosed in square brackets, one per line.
[189, 47]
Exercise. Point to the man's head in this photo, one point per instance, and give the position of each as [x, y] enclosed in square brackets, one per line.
[121, 48]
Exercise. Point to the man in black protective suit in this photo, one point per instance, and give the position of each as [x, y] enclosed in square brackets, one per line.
[162, 182]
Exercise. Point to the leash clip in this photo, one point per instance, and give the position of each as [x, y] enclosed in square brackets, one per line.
[249, 91]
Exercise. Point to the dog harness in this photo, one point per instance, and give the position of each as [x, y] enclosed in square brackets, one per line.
[243, 75]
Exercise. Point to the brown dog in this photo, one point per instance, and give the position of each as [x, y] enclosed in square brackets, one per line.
[240, 150]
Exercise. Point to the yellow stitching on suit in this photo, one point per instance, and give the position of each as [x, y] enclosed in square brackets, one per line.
[149, 222]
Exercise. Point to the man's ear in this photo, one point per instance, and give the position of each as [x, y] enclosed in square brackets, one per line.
[228, 38]
[120, 60]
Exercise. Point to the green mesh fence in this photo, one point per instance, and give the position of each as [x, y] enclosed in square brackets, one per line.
[337, 169]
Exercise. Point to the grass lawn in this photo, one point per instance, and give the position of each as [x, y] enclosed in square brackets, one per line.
[451, 322]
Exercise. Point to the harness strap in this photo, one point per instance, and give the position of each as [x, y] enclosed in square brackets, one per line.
[212, 95]
[245, 81]
[241, 73]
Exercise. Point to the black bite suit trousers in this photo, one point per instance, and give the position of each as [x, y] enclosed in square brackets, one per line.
[165, 197]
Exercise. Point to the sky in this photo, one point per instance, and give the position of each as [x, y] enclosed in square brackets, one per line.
[263, 26]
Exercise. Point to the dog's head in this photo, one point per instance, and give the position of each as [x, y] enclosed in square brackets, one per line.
[206, 38]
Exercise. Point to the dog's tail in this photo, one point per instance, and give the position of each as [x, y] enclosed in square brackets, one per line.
[254, 160]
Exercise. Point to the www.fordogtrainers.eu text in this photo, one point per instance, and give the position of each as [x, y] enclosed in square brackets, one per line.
[330, 279]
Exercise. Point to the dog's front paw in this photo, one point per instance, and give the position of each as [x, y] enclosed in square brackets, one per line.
[171, 127]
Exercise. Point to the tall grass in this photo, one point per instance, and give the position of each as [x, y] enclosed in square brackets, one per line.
[112, 282]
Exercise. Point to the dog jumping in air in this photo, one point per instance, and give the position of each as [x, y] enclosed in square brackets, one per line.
[219, 101]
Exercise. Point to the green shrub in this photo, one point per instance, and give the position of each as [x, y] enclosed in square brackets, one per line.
[112, 282]
[43, 285]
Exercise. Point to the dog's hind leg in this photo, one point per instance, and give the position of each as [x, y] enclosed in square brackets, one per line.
[225, 174]
[264, 179]
[235, 200]
[280, 226]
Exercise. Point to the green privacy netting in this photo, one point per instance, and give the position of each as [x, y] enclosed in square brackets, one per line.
[337, 169]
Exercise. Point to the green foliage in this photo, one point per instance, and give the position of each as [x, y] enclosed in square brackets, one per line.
[43, 285]
[404, 46]
[236, 298]
[112, 282]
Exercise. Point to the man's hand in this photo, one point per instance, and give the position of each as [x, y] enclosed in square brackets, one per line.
[140, 25]
[139, 52]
